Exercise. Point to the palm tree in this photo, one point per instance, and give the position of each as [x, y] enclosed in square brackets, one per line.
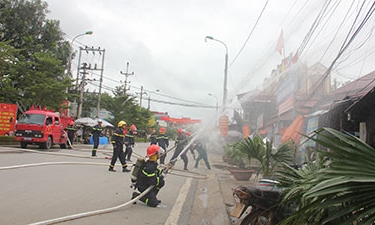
[268, 156]
[338, 191]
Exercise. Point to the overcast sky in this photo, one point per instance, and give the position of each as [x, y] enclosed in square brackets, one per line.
[164, 43]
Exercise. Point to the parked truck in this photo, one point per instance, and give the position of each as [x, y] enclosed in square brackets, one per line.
[42, 127]
[8, 117]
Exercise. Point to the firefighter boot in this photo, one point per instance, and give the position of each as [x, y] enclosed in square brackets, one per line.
[134, 195]
[111, 169]
[93, 153]
[124, 169]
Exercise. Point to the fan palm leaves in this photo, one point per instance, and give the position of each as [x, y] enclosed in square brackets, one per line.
[263, 151]
[338, 191]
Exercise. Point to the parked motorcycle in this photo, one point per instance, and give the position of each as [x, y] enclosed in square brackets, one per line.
[260, 205]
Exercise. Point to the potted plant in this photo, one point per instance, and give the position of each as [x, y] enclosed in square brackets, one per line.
[237, 161]
[264, 152]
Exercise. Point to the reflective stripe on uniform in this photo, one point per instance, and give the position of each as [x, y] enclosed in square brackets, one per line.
[149, 175]
[118, 135]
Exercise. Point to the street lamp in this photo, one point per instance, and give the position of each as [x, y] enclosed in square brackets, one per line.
[217, 105]
[149, 99]
[225, 69]
[71, 54]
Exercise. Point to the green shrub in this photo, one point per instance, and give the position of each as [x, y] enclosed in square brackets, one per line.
[4, 140]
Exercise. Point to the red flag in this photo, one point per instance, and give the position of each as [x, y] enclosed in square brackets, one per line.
[295, 58]
[280, 43]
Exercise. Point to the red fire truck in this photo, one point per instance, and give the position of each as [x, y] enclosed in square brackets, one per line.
[42, 127]
[8, 117]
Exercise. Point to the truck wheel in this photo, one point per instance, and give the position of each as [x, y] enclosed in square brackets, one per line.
[48, 144]
[64, 146]
[23, 145]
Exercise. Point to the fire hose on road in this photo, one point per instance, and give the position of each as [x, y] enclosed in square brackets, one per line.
[92, 213]
[101, 211]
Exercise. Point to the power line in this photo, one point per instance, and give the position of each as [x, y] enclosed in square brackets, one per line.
[197, 104]
[251, 32]
[348, 40]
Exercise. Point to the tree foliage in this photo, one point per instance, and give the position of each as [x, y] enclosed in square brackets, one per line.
[265, 153]
[124, 107]
[121, 106]
[33, 60]
[337, 188]
[38, 52]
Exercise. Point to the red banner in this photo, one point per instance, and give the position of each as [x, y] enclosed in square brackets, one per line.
[223, 125]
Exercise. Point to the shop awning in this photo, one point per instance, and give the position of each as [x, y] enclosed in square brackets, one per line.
[363, 106]
[294, 131]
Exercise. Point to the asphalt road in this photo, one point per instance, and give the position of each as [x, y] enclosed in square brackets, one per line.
[72, 182]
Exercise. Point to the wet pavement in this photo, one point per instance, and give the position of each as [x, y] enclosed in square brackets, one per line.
[210, 200]
[213, 199]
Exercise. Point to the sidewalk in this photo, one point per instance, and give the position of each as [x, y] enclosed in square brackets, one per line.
[213, 199]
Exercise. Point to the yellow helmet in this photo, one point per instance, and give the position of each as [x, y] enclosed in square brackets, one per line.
[121, 123]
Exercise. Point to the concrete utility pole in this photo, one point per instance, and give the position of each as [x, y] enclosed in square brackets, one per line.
[140, 97]
[225, 69]
[127, 74]
[87, 67]
[100, 86]
[82, 88]
[149, 99]
[71, 54]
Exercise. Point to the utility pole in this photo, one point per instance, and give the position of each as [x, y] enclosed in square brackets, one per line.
[100, 86]
[82, 88]
[140, 97]
[127, 74]
[87, 67]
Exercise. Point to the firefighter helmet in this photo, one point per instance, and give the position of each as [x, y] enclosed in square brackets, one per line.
[152, 150]
[133, 127]
[162, 130]
[121, 123]
[180, 130]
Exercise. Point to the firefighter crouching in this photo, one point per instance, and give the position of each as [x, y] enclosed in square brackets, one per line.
[117, 141]
[150, 175]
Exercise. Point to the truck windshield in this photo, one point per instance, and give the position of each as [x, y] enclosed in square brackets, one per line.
[32, 119]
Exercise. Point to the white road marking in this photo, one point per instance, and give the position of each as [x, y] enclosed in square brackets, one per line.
[177, 208]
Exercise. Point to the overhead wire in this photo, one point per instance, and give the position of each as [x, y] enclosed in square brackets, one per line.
[348, 40]
[313, 27]
[195, 104]
[320, 29]
[360, 59]
[251, 32]
[337, 31]
[267, 53]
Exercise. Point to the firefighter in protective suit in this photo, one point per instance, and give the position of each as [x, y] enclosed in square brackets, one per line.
[180, 143]
[129, 142]
[163, 141]
[96, 131]
[150, 175]
[117, 141]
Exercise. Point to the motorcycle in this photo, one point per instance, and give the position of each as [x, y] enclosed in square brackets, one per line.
[260, 204]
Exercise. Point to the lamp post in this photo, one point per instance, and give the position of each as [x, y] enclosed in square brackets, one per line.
[71, 54]
[217, 104]
[225, 69]
[149, 99]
